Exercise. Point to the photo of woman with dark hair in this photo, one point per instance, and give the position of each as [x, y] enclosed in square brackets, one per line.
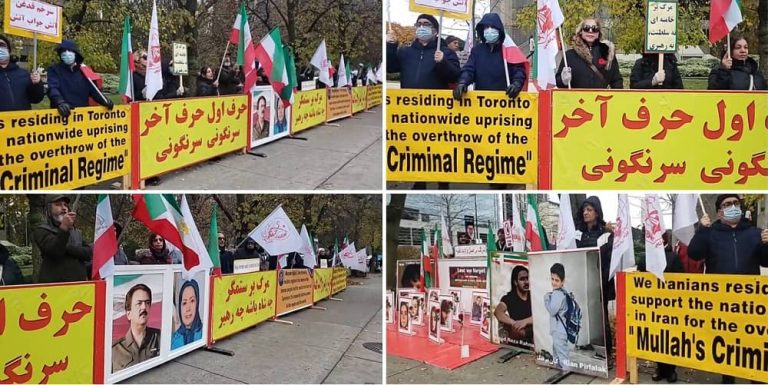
[404, 318]
[411, 277]
[434, 321]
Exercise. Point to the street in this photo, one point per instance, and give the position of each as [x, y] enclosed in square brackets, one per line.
[322, 346]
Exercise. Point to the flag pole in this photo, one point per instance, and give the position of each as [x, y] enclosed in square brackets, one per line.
[504, 60]
[222, 60]
[562, 46]
[439, 34]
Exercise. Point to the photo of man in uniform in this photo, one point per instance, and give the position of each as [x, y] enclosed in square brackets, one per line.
[140, 342]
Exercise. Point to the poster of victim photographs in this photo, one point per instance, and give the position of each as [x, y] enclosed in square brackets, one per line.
[434, 321]
[476, 317]
[404, 315]
[390, 300]
[447, 308]
[511, 323]
[456, 295]
[485, 319]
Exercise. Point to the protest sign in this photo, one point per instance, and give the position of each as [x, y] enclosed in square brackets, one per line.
[661, 26]
[241, 301]
[270, 119]
[295, 290]
[180, 59]
[339, 104]
[43, 151]
[483, 138]
[309, 109]
[32, 18]
[641, 135]
[716, 322]
[463, 292]
[460, 9]
[359, 99]
[511, 301]
[177, 133]
[467, 277]
[248, 265]
[322, 287]
[561, 282]
[52, 333]
[373, 96]
[339, 282]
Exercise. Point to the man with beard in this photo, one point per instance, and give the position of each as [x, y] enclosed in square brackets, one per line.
[226, 257]
[514, 310]
[251, 250]
[62, 247]
[140, 342]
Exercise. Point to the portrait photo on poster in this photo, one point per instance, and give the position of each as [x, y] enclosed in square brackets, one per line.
[477, 306]
[404, 315]
[433, 294]
[447, 309]
[566, 304]
[189, 295]
[485, 320]
[417, 308]
[434, 321]
[389, 302]
[511, 301]
[137, 319]
[457, 307]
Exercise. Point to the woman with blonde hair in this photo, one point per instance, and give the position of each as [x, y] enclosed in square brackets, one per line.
[591, 60]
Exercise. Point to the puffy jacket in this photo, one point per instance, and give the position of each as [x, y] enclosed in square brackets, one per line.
[645, 69]
[10, 274]
[68, 83]
[729, 250]
[417, 67]
[601, 55]
[737, 78]
[485, 66]
[16, 89]
[205, 87]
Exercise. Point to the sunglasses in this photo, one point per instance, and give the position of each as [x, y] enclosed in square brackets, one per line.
[590, 28]
[221, 239]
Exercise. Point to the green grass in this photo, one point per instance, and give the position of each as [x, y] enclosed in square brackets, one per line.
[46, 103]
[695, 83]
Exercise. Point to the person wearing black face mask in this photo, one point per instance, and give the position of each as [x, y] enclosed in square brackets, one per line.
[18, 89]
[68, 86]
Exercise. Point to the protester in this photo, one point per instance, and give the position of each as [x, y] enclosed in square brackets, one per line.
[20, 89]
[737, 71]
[486, 67]
[171, 86]
[422, 65]
[140, 342]
[250, 250]
[730, 245]
[140, 75]
[61, 245]
[514, 311]
[557, 306]
[10, 274]
[68, 86]
[188, 307]
[226, 257]
[646, 75]
[591, 62]
[206, 83]
[159, 253]
[227, 79]
[589, 221]
[454, 44]
[120, 257]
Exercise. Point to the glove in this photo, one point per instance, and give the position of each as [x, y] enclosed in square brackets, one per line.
[144, 92]
[658, 78]
[459, 91]
[514, 89]
[64, 109]
[180, 91]
[108, 103]
[565, 75]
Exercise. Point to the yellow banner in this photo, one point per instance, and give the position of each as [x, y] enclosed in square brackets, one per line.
[40, 150]
[339, 280]
[47, 333]
[359, 99]
[339, 103]
[294, 290]
[484, 138]
[373, 96]
[241, 301]
[322, 283]
[640, 140]
[179, 132]
[452, 9]
[309, 109]
[717, 322]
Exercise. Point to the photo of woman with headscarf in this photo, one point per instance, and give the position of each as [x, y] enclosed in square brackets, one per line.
[188, 310]
[281, 121]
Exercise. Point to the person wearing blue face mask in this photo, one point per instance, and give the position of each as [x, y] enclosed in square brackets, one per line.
[486, 65]
[18, 89]
[67, 85]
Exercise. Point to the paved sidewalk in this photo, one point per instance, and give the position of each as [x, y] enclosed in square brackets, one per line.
[322, 346]
[347, 157]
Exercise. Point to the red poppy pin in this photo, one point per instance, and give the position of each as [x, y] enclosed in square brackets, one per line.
[601, 62]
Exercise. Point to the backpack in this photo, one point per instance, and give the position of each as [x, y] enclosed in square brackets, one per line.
[572, 321]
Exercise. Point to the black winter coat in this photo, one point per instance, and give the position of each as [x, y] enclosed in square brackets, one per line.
[17, 92]
[69, 84]
[645, 69]
[64, 254]
[728, 250]
[11, 274]
[485, 66]
[737, 78]
[589, 239]
[205, 87]
[417, 67]
[582, 75]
